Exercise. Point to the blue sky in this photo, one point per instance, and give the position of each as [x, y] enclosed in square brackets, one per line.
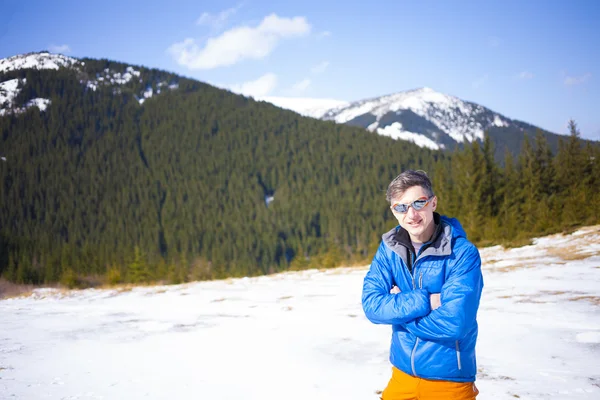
[536, 61]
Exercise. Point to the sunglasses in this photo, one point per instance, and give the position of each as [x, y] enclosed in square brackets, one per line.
[417, 205]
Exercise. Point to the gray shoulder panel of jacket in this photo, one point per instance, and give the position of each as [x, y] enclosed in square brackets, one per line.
[390, 241]
[443, 245]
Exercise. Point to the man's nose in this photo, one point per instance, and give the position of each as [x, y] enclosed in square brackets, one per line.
[411, 211]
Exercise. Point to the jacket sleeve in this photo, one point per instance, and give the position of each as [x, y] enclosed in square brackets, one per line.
[460, 297]
[379, 305]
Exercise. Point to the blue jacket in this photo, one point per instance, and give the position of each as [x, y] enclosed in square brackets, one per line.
[438, 344]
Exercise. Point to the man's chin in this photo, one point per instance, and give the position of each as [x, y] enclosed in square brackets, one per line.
[414, 228]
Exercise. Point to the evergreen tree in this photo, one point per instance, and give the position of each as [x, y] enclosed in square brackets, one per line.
[510, 203]
[570, 177]
[137, 270]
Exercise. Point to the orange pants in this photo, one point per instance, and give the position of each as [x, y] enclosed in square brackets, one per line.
[407, 387]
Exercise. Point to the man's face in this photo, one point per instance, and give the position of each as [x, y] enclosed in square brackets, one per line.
[418, 223]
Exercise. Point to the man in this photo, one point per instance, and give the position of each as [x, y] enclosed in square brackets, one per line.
[425, 281]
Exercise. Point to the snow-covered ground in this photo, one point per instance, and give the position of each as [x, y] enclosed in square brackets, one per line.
[397, 131]
[301, 335]
[9, 90]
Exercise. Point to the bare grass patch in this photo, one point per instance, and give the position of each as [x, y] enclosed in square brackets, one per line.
[10, 289]
[595, 300]
[570, 253]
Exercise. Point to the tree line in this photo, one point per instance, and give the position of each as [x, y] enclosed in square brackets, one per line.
[537, 193]
[99, 188]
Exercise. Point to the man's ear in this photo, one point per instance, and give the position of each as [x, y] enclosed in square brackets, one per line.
[434, 203]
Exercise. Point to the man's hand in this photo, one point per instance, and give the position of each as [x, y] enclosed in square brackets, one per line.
[435, 301]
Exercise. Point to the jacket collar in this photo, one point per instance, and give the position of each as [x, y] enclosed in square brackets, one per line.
[398, 240]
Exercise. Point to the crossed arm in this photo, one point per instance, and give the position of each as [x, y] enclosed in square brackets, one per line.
[434, 298]
[382, 307]
[440, 316]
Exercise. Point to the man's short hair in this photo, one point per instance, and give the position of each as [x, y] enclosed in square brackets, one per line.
[405, 181]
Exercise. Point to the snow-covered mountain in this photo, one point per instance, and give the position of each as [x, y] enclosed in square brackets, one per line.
[115, 78]
[42, 60]
[10, 88]
[423, 116]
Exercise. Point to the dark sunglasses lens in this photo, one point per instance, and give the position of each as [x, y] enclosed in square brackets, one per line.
[418, 204]
[401, 208]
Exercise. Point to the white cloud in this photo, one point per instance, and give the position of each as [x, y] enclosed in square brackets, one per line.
[239, 43]
[64, 48]
[577, 80]
[302, 85]
[479, 82]
[525, 75]
[320, 68]
[259, 87]
[219, 19]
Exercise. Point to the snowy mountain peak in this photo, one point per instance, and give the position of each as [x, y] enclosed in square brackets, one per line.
[113, 77]
[10, 89]
[423, 116]
[41, 60]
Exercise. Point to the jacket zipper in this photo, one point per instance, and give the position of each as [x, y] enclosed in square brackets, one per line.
[413, 272]
[412, 358]
[412, 355]
[412, 267]
[458, 356]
